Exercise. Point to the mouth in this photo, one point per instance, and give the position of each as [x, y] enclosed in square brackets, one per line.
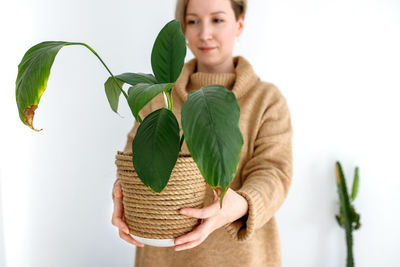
[206, 49]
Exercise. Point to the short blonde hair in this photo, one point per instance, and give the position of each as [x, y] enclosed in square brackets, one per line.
[239, 8]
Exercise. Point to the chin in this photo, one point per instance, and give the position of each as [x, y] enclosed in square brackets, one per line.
[208, 60]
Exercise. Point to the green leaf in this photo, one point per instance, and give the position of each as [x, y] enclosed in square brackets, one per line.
[156, 148]
[210, 123]
[355, 218]
[135, 78]
[142, 93]
[168, 54]
[355, 184]
[356, 223]
[343, 196]
[113, 92]
[339, 220]
[33, 73]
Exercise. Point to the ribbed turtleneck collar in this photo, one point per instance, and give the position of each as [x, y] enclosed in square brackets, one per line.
[200, 79]
[239, 82]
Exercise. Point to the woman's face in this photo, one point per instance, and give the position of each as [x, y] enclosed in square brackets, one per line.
[211, 30]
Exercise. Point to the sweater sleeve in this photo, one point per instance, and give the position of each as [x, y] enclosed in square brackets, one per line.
[267, 175]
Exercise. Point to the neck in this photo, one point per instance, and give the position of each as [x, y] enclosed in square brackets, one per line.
[225, 67]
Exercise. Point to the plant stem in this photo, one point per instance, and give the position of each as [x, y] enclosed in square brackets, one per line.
[94, 52]
[170, 97]
[349, 241]
[346, 214]
[169, 100]
[168, 104]
[181, 142]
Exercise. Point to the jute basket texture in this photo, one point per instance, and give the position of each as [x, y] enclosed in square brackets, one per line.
[156, 215]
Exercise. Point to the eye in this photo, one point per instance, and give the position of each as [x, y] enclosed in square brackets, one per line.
[191, 21]
[218, 20]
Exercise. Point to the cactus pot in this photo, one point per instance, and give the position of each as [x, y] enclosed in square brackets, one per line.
[153, 218]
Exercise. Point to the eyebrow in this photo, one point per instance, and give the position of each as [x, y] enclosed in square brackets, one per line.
[194, 14]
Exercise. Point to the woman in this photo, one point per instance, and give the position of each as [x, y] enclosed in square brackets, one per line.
[244, 231]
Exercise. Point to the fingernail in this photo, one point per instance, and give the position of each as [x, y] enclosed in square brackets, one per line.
[182, 211]
[126, 231]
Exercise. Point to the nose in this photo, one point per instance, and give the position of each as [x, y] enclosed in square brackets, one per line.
[205, 31]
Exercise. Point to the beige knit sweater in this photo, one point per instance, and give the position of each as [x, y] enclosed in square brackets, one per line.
[263, 176]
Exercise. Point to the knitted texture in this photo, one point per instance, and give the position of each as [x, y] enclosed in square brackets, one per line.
[263, 176]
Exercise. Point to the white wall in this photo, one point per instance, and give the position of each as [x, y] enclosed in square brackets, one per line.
[336, 62]
[2, 245]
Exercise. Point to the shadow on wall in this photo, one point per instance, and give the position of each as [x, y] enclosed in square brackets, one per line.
[2, 246]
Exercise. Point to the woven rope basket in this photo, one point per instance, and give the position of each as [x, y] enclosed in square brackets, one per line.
[156, 215]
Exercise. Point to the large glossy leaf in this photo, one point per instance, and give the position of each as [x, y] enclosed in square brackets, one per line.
[33, 73]
[156, 148]
[168, 54]
[135, 78]
[113, 92]
[210, 122]
[142, 93]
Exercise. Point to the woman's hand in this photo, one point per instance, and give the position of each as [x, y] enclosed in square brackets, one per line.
[234, 206]
[118, 218]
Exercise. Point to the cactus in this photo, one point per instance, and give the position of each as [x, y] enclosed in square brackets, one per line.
[348, 218]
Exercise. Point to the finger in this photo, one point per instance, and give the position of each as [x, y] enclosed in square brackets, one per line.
[199, 233]
[117, 217]
[129, 239]
[202, 213]
[117, 190]
[121, 225]
[188, 245]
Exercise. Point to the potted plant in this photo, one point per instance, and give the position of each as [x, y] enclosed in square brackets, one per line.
[347, 218]
[209, 119]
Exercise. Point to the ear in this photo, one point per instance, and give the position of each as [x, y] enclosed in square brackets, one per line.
[240, 25]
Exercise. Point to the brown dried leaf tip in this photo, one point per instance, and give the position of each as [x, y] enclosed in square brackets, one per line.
[29, 113]
[337, 174]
